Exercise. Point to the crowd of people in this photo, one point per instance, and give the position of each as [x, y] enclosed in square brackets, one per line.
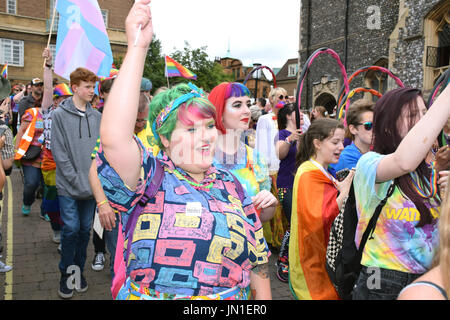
[194, 190]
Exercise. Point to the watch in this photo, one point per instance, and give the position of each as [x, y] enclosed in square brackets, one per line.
[287, 140]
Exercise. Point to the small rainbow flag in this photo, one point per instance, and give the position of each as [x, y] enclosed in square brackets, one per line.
[4, 72]
[174, 69]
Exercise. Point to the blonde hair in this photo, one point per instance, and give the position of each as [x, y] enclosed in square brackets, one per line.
[276, 92]
[444, 240]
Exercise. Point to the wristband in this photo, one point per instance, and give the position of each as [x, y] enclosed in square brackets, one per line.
[99, 204]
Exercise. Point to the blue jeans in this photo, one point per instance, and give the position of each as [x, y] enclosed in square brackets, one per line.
[381, 284]
[32, 179]
[76, 216]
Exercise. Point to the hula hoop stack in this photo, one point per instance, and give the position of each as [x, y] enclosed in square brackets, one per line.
[440, 85]
[305, 72]
[344, 99]
[259, 68]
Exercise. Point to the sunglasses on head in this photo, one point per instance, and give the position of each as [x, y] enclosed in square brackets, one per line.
[283, 97]
[367, 125]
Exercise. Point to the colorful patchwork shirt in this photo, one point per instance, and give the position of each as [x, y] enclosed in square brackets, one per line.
[188, 252]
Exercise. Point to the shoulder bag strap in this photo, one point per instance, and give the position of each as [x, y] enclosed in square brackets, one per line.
[150, 192]
[373, 221]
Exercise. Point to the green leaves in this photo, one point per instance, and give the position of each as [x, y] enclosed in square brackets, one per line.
[209, 73]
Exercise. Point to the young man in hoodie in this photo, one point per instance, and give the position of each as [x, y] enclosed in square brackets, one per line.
[75, 129]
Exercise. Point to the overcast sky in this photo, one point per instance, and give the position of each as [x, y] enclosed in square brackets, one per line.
[258, 31]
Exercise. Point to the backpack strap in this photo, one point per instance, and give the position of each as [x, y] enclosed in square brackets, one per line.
[239, 188]
[370, 229]
[150, 192]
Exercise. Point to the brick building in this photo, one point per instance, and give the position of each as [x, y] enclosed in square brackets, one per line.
[258, 87]
[410, 37]
[287, 76]
[25, 28]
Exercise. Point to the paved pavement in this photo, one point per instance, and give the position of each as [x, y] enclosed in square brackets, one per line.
[28, 247]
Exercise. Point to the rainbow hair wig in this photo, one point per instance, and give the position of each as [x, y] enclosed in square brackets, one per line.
[62, 90]
[219, 96]
[193, 105]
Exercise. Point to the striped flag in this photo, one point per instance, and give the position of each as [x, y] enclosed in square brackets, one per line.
[4, 72]
[82, 40]
[174, 69]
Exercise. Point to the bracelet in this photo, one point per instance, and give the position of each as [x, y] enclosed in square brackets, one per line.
[99, 204]
[49, 65]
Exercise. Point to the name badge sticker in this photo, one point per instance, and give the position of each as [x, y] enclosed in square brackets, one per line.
[194, 209]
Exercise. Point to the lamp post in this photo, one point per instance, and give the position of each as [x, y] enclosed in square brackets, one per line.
[256, 76]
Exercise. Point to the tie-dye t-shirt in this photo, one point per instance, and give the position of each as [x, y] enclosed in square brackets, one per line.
[248, 166]
[397, 244]
[190, 252]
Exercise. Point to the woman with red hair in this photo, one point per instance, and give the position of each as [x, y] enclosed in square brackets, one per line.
[232, 102]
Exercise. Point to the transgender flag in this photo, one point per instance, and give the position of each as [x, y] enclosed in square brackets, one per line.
[82, 40]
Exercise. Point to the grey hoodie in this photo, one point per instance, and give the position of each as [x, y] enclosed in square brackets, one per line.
[73, 138]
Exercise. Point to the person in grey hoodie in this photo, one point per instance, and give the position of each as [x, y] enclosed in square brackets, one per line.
[74, 132]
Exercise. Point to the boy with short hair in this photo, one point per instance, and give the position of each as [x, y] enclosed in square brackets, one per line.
[75, 128]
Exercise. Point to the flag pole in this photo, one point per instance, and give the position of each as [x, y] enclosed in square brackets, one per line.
[51, 28]
[165, 71]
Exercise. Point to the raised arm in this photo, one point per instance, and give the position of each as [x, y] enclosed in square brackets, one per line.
[120, 112]
[418, 142]
[47, 97]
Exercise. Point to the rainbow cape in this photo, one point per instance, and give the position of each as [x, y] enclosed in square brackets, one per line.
[314, 208]
[4, 72]
[174, 69]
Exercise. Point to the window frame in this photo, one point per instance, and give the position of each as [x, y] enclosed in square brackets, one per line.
[8, 3]
[14, 45]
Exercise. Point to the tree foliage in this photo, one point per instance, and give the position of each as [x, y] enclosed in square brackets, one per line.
[209, 73]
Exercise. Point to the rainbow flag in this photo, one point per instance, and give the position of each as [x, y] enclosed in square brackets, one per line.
[82, 39]
[174, 69]
[112, 74]
[4, 72]
[314, 208]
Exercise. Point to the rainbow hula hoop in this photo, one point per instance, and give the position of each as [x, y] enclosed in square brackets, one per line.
[441, 84]
[305, 71]
[350, 95]
[258, 68]
[369, 68]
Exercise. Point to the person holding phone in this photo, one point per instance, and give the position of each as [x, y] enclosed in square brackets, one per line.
[286, 143]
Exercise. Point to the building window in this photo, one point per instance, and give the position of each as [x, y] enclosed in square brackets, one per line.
[11, 6]
[11, 52]
[105, 17]
[437, 44]
[292, 70]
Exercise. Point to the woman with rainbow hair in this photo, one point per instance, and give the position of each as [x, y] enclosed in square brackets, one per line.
[232, 102]
[199, 237]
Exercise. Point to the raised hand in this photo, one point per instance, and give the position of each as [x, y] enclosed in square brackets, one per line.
[139, 24]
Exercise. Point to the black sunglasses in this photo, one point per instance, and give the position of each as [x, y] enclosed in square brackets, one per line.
[367, 125]
[283, 97]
